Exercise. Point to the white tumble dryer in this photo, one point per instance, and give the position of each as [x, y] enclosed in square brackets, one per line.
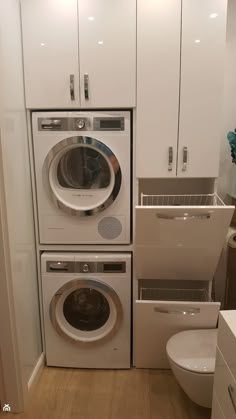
[87, 309]
[83, 176]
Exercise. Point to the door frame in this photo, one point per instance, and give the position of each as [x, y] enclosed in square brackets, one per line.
[11, 383]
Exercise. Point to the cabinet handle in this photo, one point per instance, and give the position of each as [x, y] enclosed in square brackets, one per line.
[185, 159]
[189, 311]
[184, 217]
[232, 395]
[170, 160]
[72, 86]
[86, 86]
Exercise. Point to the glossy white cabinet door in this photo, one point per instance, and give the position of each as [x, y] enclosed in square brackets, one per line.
[107, 51]
[202, 66]
[158, 67]
[157, 321]
[182, 242]
[50, 42]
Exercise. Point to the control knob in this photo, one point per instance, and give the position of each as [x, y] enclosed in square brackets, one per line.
[80, 123]
[85, 268]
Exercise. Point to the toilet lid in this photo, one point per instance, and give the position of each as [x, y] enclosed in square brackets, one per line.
[194, 350]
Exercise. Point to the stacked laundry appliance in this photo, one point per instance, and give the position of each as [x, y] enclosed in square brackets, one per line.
[82, 164]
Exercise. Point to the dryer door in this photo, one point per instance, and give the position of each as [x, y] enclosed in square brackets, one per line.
[83, 175]
[86, 311]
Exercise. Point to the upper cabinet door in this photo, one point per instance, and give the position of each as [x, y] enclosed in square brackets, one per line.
[107, 52]
[202, 67]
[50, 41]
[158, 73]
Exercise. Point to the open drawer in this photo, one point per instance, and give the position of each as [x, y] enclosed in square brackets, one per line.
[180, 236]
[163, 310]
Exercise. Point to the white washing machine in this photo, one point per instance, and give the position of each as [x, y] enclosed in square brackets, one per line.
[83, 176]
[87, 309]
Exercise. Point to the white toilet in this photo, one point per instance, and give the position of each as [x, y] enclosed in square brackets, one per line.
[192, 356]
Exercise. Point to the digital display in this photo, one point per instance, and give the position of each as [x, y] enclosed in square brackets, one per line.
[110, 124]
[113, 267]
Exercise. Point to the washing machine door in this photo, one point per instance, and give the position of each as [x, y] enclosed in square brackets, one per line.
[86, 311]
[83, 175]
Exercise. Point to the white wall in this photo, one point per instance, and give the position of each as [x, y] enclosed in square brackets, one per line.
[16, 170]
[229, 104]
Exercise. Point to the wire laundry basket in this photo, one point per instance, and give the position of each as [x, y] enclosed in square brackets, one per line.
[165, 294]
[181, 200]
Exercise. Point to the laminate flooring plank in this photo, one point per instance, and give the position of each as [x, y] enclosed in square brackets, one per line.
[63, 393]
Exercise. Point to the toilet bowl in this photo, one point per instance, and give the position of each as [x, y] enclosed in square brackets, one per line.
[192, 356]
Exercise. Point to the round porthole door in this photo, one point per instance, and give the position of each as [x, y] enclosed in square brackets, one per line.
[83, 175]
[86, 311]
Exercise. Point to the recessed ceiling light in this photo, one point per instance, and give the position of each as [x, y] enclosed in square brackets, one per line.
[42, 44]
[100, 42]
[90, 18]
[213, 15]
[197, 41]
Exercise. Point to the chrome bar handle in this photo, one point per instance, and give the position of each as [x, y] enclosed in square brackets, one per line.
[86, 86]
[72, 86]
[232, 395]
[185, 159]
[188, 312]
[184, 217]
[170, 160]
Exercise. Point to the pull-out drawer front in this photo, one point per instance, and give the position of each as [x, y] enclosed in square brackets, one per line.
[227, 339]
[180, 242]
[157, 321]
[225, 387]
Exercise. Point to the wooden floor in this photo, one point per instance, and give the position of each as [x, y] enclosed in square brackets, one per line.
[124, 394]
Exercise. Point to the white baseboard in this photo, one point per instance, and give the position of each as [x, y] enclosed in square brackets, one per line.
[36, 372]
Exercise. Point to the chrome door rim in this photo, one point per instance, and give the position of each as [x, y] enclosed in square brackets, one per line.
[73, 286]
[103, 149]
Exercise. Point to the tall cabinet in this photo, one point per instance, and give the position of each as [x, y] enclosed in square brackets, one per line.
[178, 236]
[179, 93]
[79, 53]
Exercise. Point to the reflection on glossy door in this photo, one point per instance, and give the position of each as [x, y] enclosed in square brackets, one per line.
[107, 49]
[50, 40]
[158, 71]
[202, 76]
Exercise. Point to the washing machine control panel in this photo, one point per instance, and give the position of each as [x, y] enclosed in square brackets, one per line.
[112, 123]
[85, 267]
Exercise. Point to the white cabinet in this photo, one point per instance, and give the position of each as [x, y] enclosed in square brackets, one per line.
[180, 236]
[79, 53]
[180, 55]
[50, 41]
[224, 392]
[156, 321]
[178, 241]
[158, 72]
[107, 51]
[202, 72]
